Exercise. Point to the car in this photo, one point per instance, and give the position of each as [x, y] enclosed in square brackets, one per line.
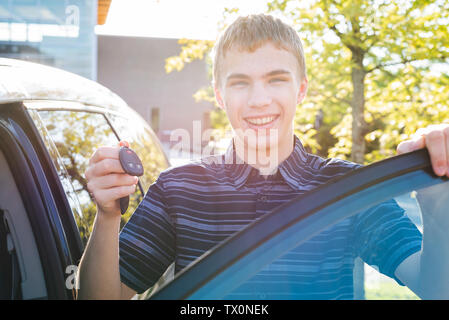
[51, 122]
[230, 269]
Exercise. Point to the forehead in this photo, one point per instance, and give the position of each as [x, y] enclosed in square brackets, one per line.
[259, 62]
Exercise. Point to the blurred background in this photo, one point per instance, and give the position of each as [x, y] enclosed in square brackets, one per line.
[377, 69]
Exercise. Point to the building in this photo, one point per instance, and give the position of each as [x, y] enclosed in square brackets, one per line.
[56, 33]
[134, 68]
[62, 34]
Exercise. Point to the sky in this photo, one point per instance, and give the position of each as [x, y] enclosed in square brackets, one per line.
[193, 19]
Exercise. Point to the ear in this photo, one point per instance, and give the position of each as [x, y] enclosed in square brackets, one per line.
[302, 90]
[219, 98]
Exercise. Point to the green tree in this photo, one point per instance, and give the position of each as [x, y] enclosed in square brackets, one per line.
[372, 68]
[375, 69]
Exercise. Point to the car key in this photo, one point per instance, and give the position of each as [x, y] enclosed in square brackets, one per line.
[132, 165]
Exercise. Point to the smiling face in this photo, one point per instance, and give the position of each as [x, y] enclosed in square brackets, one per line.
[259, 91]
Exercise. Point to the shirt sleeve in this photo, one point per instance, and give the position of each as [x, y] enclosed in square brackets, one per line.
[147, 241]
[385, 236]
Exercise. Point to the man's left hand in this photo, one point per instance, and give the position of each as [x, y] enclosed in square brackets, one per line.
[436, 139]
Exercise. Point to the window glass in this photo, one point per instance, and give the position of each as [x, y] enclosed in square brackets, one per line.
[142, 140]
[63, 175]
[378, 286]
[427, 210]
[55, 33]
[388, 237]
[71, 138]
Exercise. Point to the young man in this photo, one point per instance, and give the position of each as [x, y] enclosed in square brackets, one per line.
[259, 79]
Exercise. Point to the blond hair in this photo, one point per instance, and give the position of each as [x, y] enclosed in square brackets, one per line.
[250, 33]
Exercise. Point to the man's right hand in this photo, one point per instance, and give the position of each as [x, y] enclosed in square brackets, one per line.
[107, 182]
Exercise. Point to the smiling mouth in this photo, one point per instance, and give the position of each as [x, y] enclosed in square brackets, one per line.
[261, 121]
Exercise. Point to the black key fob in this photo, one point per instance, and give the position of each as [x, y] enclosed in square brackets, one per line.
[124, 203]
[132, 165]
[130, 162]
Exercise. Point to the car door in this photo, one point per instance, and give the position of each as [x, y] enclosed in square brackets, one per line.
[406, 181]
[32, 231]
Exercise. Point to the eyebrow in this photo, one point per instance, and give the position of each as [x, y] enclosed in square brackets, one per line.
[269, 74]
[278, 72]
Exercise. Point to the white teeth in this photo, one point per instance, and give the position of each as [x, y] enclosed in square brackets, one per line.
[261, 121]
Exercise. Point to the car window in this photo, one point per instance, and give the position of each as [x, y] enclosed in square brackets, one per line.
[378, 213]
[323, 266]
[143, 141]
[81, 221]
[376, 285]
[71, 138]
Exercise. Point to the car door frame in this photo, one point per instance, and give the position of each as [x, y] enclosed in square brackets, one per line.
[16, 130]
[233, 261]
[72, 242]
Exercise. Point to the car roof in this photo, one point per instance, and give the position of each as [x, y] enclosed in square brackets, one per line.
[23, 80]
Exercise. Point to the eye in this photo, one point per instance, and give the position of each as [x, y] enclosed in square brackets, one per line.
[240, 83]
[277, 80]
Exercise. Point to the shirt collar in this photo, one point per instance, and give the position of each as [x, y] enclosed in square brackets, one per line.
[236, 168]
[290, 168]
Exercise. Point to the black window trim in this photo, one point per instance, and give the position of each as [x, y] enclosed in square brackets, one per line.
[15, 146]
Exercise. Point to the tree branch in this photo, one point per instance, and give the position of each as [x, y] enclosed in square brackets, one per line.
[383, 65]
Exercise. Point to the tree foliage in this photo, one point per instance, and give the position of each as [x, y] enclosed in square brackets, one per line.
[377, 70]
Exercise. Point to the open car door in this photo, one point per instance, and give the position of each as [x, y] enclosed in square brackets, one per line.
[407, 179]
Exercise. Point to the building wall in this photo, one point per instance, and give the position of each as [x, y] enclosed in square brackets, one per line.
[134, 68]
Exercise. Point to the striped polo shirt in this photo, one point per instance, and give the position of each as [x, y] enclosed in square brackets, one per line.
[191, 208]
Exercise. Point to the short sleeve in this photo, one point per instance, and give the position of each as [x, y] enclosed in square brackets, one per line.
[384, 237]
[147, 241]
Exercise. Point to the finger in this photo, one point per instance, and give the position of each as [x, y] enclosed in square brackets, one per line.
[425, 131]
[404, 147]
[411, 145]
[112, 180]
[105, 167]
[420, 132]
[104, 153]
[436, 144]
[106, 195]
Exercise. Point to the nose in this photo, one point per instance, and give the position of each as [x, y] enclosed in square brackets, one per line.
[259, 96]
